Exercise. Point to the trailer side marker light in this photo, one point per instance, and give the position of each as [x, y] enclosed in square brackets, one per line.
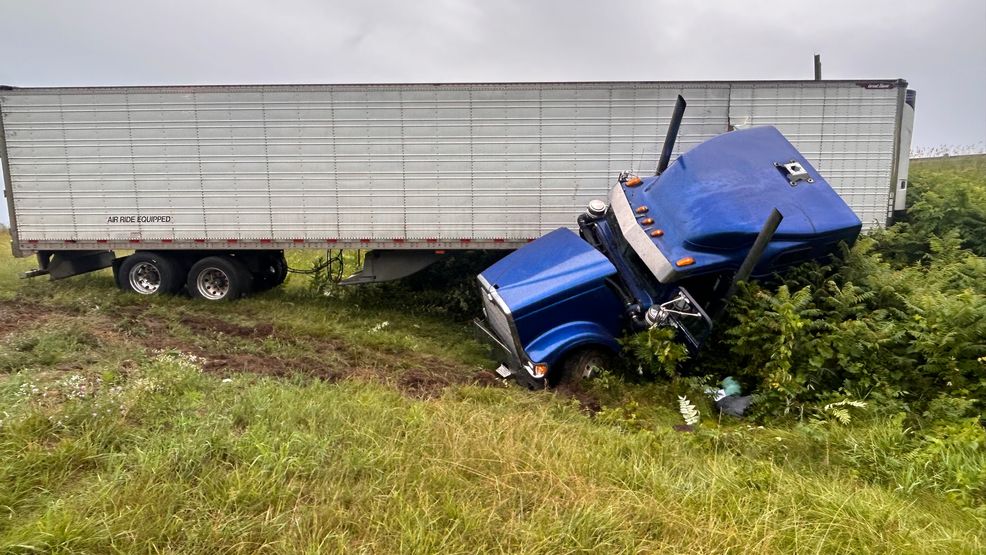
[439, 252]
[642, 209]
[686, 261]
[647, 221]
[657, 233]
[634, 181]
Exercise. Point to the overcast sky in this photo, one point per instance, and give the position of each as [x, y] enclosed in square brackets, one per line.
[938, 47]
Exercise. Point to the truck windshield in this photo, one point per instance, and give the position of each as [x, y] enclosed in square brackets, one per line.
[641, 276]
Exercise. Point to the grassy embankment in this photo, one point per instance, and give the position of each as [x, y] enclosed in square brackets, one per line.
[297, 422]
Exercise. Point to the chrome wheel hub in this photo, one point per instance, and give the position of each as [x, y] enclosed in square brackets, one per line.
[145, 278]
[212, 283]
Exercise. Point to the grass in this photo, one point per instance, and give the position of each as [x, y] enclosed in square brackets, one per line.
[294, 422]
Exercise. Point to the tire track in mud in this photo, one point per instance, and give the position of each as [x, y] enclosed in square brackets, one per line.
[220, 344]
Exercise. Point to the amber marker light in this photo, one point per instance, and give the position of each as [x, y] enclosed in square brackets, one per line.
[686, 261]
[647, 221]
[642, 209]
[540, 369]
[657, 233]
[634, 181]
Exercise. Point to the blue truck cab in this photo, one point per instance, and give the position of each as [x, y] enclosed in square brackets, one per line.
[665, 250]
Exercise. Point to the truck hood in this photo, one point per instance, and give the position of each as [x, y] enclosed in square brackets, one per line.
[712, 201]
[559, 264]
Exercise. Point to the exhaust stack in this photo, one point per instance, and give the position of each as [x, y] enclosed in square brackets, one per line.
[679, 112]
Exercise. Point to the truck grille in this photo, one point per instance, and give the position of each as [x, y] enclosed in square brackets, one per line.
[498, 321]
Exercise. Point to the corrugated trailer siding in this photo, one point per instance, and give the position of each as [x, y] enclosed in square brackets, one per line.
[384, 162]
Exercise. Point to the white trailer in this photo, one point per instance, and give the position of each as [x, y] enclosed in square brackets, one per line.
[417, 167]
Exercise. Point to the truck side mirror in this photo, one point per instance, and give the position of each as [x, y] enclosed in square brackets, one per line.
[684, 314]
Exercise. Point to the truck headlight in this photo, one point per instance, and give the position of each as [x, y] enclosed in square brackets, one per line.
[538, 370]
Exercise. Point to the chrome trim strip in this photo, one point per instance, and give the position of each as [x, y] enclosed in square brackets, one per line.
[635, 235]
[524, 359]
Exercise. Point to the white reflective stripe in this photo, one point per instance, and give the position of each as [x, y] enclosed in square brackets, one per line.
[635, 235]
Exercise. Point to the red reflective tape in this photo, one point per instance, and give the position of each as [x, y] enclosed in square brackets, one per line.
[230, 241]
[398, 240]
[499, 240]
[265, 241]
[464, 240]
[439, 252]
[298, 240]
[100, 240]
[69, 241]
[431, 240]
[364, 240]
[331, 240]
[167, 240]
[33, 241]
[134, 241]
[200, 240]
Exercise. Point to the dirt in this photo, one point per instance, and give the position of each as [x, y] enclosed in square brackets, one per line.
[14, 315]
[416, 374]
[587, 401]
[206, 324]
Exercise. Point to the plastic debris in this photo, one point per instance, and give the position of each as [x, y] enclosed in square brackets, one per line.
[731, 386]
[734, 405]
[728, 399]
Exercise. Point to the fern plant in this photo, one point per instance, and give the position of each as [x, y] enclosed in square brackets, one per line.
[688, 411]
[840, 410]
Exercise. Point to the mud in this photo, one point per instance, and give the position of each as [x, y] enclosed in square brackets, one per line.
[206, 324]
[220, 344]
[15, 316]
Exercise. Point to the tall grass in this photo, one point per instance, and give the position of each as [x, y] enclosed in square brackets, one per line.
[111, 445]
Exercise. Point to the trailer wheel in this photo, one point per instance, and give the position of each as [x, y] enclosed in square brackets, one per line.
[219, 278]
[582, 365]
[149, 273]
[281, 264]
[272, 272]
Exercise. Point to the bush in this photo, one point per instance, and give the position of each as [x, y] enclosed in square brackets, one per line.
[899, 320]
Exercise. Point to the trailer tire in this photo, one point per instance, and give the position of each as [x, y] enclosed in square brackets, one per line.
[581, 365]
[273, 269]
[281, 264]
[219, 278]
[149, 273]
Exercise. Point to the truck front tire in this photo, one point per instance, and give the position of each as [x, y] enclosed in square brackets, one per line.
[579, 366]
[219, 278]
[149, 273]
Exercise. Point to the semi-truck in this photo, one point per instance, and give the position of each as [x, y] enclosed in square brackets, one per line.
[209, 185]
[666, 250]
